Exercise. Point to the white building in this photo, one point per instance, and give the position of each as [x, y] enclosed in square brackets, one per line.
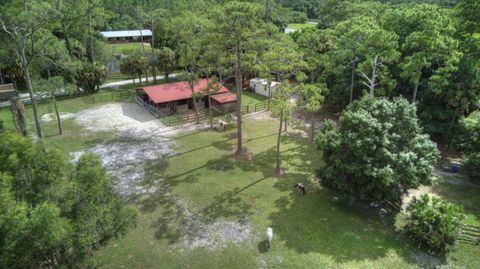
[128, 36]
[260, 86]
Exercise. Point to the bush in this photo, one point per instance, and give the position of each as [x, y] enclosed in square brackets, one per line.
[472, 165]
[433, 223]
[469, 143]
[377, 152]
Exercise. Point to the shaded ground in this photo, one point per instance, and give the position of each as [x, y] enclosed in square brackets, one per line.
[207, 209]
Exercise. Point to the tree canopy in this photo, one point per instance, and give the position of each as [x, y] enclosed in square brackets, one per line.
[377, 152]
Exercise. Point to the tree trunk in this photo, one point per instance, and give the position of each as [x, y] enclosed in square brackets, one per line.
[28, 82]
[90, 37]
[269, 95]
[143, 52]
[415, 91]
[68, 44]
[373, 79]
[166, 76]
[59, 120]
[278, 170]
[2, 80]
[210, 110]
[194, 99]
[286, 125]
[154, 59]
[266, 11]
[238, 85]
[312, 130]
[352, 85]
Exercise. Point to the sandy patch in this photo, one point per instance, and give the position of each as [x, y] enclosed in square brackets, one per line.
[120, 117]
[52, 116]
[127, 162]
[144, 138]
[216, 235]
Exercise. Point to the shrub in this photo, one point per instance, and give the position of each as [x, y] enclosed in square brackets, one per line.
[472, 165]
[377, 152]
[433, 223]
[469, 143]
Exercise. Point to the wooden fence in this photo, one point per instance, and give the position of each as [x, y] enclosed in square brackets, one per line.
[120, 96]
[263, 106]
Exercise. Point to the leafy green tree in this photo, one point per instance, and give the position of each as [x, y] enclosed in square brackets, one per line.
[430, 53]
[90, 77]
[281, 61]
[53, 213]
[361, 40]
[378, 151]
[19, 21]
[166, 61]
[134, 65]
[54, 86]
[192, 33]
[282, 107]
[433, 222]
[240, 27]
[311, 99]
[469, 143]
[316, 46]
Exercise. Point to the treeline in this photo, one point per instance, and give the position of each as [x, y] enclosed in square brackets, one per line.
[424, 52]
[316, 9]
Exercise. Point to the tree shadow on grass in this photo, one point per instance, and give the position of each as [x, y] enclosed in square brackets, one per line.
[321, 223]
[461, 194]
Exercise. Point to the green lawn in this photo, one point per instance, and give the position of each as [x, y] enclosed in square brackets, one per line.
[126, 48]
[312, 231]
[298, 26]
[250, 98]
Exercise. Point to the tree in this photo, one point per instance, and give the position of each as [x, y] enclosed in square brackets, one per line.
[316, 46]
[240, 27]
[53, 213]
[166, 61]
[90, 76]
[192, 33]
[20, 20]
[311, 99]
[378, 151]
[134, 65]
[53, 86]
[469, 143]
[281, 61]
[430, 52]
[433, 222]
[282, 107]
[361, 40]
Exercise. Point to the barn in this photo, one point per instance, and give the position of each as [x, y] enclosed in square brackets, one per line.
[168, 99]
[115, 37]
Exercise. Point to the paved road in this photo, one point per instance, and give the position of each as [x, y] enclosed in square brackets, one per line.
[117, 84]
[26, 97]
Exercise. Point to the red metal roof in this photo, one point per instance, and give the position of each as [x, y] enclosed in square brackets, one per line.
[176, 91]
[224, 98]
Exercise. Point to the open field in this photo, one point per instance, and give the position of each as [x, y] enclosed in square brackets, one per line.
[126, 48]
[200, 207]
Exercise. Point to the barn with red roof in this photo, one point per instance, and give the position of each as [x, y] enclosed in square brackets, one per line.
[168, 99]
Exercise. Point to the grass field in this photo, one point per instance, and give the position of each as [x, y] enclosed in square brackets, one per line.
[126, 48]
[204, 179]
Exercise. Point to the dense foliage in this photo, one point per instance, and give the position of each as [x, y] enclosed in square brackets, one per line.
[469, 144]
[433, 222]
[52, 213]
[377, 152]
